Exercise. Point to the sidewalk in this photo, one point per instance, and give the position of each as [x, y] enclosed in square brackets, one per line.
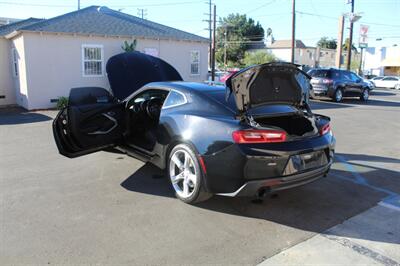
[370, 238]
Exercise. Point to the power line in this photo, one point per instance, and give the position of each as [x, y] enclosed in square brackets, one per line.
[263, 5]
[334, 18]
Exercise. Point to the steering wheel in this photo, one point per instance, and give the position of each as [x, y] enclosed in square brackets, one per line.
[153, 108]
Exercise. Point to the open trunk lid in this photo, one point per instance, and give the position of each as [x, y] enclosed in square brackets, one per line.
[271, 83]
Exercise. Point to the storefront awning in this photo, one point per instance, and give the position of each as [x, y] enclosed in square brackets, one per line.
[391, 62]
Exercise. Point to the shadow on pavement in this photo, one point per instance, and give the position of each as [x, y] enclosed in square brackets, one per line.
[16, 116]
[382, 93]
[149, 179]
[315, 207]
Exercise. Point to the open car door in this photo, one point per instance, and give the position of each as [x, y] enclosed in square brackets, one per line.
[92, 121]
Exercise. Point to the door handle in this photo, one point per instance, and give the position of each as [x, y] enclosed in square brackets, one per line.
[102, 132]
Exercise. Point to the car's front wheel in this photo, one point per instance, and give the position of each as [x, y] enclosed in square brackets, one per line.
[186, 175]
[338, 96]
[364, 95]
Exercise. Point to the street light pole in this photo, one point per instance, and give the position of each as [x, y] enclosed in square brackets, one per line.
[213, 44]
[350, 44]
[225, 43]
[293, 28]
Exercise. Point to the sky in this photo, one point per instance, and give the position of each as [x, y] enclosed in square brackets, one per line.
[314, 18]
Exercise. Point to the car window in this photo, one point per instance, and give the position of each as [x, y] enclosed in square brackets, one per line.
[389, 79]
[319, 73]
[377, 78]
[174, 98]
[354, 77]
[147, 95]
[335, 74]
[345, 75]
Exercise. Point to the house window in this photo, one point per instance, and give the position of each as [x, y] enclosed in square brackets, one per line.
[92, 60]
[14, 55]
[195, 62]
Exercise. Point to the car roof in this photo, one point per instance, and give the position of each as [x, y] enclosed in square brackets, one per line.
[185, 86]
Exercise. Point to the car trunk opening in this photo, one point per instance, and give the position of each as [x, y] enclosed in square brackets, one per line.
[295, 125]
[268, 84]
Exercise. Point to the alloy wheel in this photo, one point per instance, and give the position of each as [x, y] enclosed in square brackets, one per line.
[182, 173]
[338, 95]
[365, 94]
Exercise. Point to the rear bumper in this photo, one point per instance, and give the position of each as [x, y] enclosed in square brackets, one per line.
[320, 89]
[244, 169]
[252, 188]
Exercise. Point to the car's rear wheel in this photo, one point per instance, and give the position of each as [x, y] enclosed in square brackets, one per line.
[185, 175]
[338, 96]
[364, 95]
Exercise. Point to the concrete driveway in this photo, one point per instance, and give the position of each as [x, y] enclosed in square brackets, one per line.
[107, 208]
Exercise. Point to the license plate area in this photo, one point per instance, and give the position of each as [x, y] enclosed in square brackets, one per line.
[306, 161]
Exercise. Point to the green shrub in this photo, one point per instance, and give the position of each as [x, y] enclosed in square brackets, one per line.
[257, 58]
[62, 102]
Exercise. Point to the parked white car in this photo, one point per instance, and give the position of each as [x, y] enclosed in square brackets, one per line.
[387, 82]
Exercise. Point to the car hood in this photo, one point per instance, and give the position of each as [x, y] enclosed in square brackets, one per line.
[271, 83]
[128, 72]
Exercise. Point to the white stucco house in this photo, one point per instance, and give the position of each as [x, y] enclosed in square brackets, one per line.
[382, 61]
[42, 59]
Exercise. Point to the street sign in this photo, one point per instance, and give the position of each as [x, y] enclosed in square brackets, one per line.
[363, 39]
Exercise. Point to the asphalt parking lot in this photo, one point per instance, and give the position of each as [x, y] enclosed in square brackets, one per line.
[112, 209]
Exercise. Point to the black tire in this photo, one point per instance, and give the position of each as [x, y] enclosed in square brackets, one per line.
[198, 192]
[338, 95]
[364, 95]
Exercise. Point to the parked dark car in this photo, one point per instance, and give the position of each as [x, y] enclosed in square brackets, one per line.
[337, 83]
[256, 135]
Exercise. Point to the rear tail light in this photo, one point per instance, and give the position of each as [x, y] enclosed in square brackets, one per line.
[327, 81]
[258, 136]
[325, 129]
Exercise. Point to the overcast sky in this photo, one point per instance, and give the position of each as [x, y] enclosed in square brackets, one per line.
[315, 18]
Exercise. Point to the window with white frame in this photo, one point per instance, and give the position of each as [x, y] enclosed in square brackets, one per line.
[14, 56]
[92, 60]
[195, 62]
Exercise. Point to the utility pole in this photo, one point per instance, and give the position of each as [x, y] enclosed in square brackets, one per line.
[210, 32]
[79, 4]
[293, 28]
[350, 44]
[339, 42]
[360, 68]
[142, 12]
[213, 44]
[225, 44]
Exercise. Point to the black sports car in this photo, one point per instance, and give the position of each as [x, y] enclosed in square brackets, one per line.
[255, 135]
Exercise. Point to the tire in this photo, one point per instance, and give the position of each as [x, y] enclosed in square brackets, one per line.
[186, 175]
[364, 95]
[338, 96]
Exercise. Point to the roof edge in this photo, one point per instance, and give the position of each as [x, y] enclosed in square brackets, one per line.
[18, 32]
